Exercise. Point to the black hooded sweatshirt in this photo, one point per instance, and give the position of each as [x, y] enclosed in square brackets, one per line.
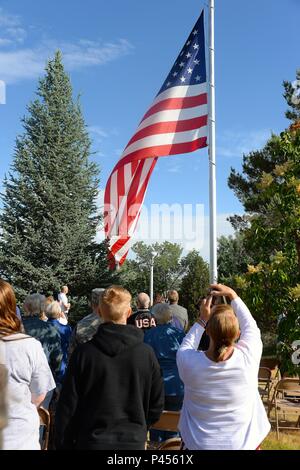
[112, 392]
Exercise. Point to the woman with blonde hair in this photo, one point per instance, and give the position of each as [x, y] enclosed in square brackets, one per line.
[29, 377]
[47, 334]
[222, 408]
[53, 312]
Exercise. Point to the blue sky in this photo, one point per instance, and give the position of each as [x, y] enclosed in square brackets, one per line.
[118, 54]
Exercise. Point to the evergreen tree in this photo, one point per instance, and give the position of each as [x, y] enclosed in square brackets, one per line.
[233, 258]
[167, 272]
[255, 164]
[247, 185]
[292, 96]
[49, 219]
[269, 189]
[194, 284]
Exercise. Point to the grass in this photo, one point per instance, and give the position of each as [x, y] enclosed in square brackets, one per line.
[287, 441]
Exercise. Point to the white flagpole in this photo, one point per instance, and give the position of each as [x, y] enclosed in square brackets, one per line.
[212, 148]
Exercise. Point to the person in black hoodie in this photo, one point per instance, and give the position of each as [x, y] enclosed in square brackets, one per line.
[113, 388]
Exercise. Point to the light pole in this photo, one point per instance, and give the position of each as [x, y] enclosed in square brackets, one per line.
[154, 253]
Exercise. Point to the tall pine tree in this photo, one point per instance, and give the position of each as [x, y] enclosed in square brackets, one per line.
[262, 162]
[269, 189]
[49, 219]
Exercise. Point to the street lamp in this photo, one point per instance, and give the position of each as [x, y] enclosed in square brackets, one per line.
[154, 253]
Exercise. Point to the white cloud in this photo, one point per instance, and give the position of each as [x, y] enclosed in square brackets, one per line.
[99, 132]
[5, 42]
[18, 63]
[16, 33]
[87, 53]
[237, 143]
[98, 135]
[28, 63]
[11, 29]
[7, 20]
[174, 169]
[21, 64]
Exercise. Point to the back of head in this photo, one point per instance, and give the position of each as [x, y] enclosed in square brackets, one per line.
[223, 329]
[173, 296]
[53, 310]
[34, 305]
[9, 322]
[143, 300]
[162, 314]
[96, 297]
[158, 298]
[115, 303]
[49, 299]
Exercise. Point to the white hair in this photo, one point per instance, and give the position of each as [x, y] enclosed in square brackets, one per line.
[162, 313]
[96, 296]
[34, 304]
[53, 310]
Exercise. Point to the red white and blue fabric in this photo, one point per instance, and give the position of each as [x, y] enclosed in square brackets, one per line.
[175, 123]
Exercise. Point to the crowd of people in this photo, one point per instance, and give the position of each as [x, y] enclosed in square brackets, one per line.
[109, 378]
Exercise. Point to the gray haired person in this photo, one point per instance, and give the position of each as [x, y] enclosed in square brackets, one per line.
[34, 325]
[47, 334]
[87, 327]
[179, 313]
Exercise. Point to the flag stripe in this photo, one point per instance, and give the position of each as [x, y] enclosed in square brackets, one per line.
[121, 184]
[132, 197]
[134, 165]
[181, 92]
[127, 176]
[126, 205]
[174, 115]
[165, 150]
[114, 197]
[107, 207]
[134, 217]
[136, 195]
[169, 127]
[164, 139]
[177, 103]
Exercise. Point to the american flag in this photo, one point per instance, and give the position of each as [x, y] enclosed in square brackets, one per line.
[175, 123]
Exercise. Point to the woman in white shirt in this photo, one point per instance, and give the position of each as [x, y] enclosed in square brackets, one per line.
[29, 377]
[222, 408]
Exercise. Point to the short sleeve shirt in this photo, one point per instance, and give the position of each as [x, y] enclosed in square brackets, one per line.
[28, 373]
